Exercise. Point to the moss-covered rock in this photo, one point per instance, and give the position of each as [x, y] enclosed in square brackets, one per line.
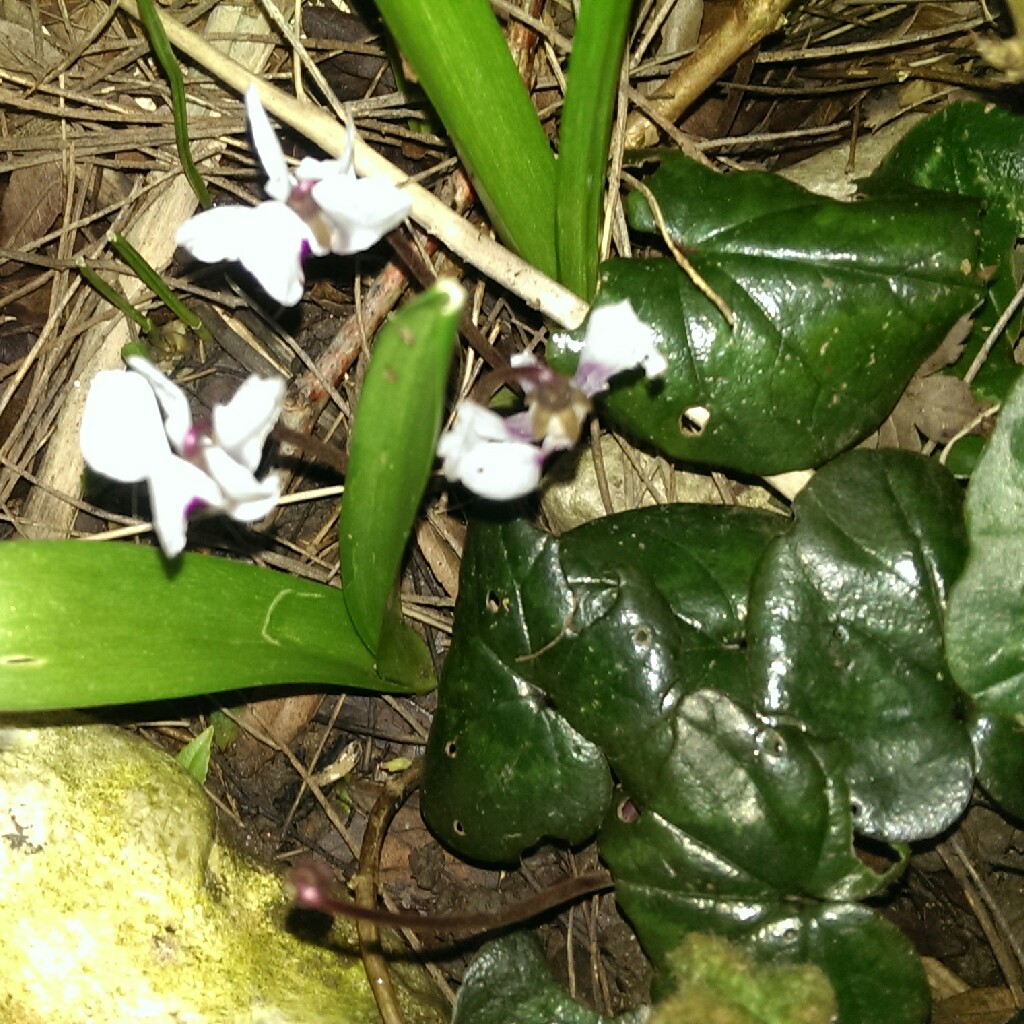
[119, 903]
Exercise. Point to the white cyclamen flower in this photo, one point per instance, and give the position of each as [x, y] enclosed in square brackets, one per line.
[137, 426]
[320, 208]
[502, 457]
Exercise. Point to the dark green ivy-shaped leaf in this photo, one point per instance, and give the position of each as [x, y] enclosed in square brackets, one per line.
[509, 982]
[972, 149]
[566, 652]
[846, 637]
[748, 837]
[984, 635]
[835, 306]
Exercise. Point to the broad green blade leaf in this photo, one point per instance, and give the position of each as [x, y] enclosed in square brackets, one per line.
[194, 757]
[846, 637]
[972, 149]
[462, 61]
[591, 88]
[984, 638]
[835, 306]
[394, 438]
[611, 625]
[718, 981]
[509, 982]
[88, 624]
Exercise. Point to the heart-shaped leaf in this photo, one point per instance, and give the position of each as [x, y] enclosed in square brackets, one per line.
[598, 635]
[846, 637]
[984, 641]
[511, 976]
[972, 149]
[835, 307]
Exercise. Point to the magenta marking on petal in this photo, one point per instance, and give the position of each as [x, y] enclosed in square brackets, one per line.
[304, 250]
[193, 440]
[194, 507]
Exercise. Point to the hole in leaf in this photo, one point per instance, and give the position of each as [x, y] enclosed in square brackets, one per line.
[451, 748]
[641, 637]
[694, 421]
[628, 811]
[855, 808]
[493, 604]
[458, 828]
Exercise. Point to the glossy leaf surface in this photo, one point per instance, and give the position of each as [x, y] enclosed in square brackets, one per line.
[984, 639]
[972, 149]
[565, 651]
[846, 637]
[835, 306]
[511, 976]
[88, 624]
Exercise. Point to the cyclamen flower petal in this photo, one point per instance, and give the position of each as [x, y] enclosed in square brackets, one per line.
[616, 339]
[270, 240]
[137, 426]
[503, 457]
[323, 207]
[490, 456]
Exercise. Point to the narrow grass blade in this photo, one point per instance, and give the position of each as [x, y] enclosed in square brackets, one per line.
[169, 63]
[591, 87]
[463, 64]
[115, 298]
[156, 284]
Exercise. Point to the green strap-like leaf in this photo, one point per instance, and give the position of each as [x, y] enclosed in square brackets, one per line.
[88, 624]
[591, 88]
[392, 451]
[463, 63]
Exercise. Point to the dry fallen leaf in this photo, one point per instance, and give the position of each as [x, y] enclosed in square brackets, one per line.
[32, 202]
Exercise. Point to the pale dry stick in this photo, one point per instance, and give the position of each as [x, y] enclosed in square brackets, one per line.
[968, 428]
[139, 529]
[975, 368]
[651, 29]
[820, 53]
[678, 255]
[455, 232]
[302, 59]
[533, 21]
[748, 22]
[314, 761]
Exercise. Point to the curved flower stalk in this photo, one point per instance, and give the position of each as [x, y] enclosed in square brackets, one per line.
[320, 208]
[137, 426]
[502, 457]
